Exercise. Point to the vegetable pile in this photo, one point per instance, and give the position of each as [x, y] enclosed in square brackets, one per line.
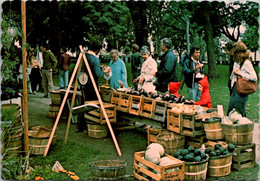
[218, 150]
[190, 154]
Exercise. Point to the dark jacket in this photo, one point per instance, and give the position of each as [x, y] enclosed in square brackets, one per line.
[205, 99]
[64, 61]
[94, 65]
[49, 60]
[189, 72]
[136, 64]
[167, 71]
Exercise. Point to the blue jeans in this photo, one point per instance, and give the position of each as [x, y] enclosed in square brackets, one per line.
[63, 78]
[194, 93]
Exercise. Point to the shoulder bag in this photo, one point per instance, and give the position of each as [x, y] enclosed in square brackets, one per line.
[244, 86]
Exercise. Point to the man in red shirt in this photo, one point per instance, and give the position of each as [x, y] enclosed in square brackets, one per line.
[64, 63]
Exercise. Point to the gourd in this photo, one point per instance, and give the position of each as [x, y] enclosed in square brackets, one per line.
[156, 146]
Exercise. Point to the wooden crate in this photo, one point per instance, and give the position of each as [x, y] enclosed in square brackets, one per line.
[147, 107]
[115, 97]
[173, 121]
[98, 116]
[196, 142]
[145, 170]
[124, 101]
[191, 126]
[135, 105]
[244, 157]
[159, 111]
[105, 94]
[152, 134]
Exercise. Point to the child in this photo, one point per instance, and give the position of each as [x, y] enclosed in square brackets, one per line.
[203, 86]
[174, 88]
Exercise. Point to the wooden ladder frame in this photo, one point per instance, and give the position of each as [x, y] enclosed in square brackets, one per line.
[77, 69]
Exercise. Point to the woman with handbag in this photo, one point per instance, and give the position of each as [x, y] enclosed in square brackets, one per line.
[243, 75]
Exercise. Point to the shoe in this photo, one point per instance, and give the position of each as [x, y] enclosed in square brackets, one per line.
[45, 96]
[34, 92]
[61, 88]
[77, 130]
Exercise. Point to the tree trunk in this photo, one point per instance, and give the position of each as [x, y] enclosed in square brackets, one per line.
[55, 41]
[138, 13]
[212, 67]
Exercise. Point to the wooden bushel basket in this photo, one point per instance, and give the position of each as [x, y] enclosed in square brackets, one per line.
[213, 129]
[38, 139]
[196, 170]
[238, 134]
[108, 169]
[97, 130]
[15, 142]
[220, 166]
[55, 97]
[171, 142]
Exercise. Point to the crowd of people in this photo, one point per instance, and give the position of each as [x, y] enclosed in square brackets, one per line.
[147, 73]
[152, 76]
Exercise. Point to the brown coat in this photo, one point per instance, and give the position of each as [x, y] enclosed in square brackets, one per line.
[64, 61]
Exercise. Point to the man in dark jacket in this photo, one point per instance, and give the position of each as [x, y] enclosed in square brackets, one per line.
[64, 63]
[167, 71]
[193, 72]
[136, 63]
[88, 90]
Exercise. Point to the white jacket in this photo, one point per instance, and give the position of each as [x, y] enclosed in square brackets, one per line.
[247, 71]
[149, 67]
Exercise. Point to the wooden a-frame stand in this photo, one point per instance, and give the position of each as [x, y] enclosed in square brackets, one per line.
[77, 69]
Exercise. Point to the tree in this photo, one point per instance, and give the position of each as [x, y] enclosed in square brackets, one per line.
[138, 13]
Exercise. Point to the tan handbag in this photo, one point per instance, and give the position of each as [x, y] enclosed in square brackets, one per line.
[244, 86]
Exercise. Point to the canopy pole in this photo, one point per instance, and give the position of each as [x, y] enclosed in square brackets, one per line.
[25, 105]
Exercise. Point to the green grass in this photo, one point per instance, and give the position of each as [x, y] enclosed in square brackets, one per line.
[73, 156]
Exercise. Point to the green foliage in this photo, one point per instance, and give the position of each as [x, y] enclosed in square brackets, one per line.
[10, 56]
[12, 167]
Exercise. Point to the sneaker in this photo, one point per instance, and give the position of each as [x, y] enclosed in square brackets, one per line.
[34, 92]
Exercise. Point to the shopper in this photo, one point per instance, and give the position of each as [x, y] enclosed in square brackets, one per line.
[64, 63]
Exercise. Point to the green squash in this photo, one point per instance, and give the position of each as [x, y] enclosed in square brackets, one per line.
[208, 150]
[176, 153]
[231, 147]
[217, 146]
[197, 159]
[213, 154]
[190, 149]
[217, 152]
[221, 149]
[203, 155]
[196, 152]
[225, 152]
[188, 158]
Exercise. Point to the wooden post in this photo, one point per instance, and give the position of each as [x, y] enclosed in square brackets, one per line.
[101, 103]
[25, 105]
[72, 103]
[62, 105]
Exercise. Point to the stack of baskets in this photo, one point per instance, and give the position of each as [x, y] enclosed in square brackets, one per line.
[56, 99]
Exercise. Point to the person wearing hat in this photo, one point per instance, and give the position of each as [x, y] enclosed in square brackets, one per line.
[136, 63]
[167, 71]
